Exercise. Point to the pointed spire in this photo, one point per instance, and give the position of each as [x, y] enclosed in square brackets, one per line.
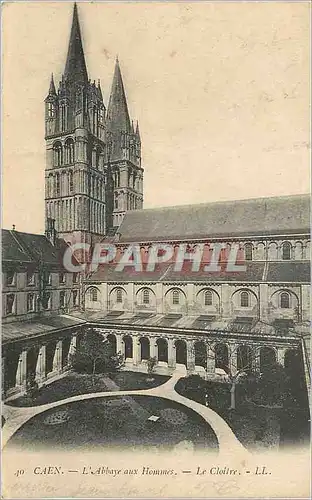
[137, 132]
[75, 69]
[117, 111]
[52, 90]
[99, 90]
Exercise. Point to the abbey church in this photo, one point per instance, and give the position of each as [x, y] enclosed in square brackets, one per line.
[199, 322]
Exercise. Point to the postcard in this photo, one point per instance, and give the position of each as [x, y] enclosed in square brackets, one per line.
[156, 250]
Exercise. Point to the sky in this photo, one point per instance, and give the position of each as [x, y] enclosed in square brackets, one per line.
[221, 92]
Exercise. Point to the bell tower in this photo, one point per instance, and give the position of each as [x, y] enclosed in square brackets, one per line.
[76, 153]
[124, 144]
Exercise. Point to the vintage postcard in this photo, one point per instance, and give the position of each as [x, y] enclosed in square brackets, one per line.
[156, 250]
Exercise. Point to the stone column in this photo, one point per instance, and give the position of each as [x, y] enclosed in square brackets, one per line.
[190, 357]
[153, 348]
[280, 355]
[136, 346]
[120, 345]
[41, 365]
[159, 298]
[57, 359]
[171, 354]
[21, 373]
[211, 360]
[73, 346]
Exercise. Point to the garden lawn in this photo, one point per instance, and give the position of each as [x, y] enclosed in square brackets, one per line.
[75, 384]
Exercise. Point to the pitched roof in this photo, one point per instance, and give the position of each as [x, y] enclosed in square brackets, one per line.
[12, 250]
[75, 69]
[258, 216]
[28, 248]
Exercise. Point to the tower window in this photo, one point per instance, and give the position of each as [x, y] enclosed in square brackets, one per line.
[285, 300]
[248, 251]
[119, 295]
[208, 298]
[63, 117]
[69, 151]
[51, 110]
[175, 297]
[10, 301]
[146, 296]
[57, 154]
[286, 251]
[244, 299]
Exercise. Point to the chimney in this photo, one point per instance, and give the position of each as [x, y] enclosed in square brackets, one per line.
[50, 230]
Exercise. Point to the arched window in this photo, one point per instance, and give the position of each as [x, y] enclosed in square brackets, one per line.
[51, 110]
[119, 295]
[69, 151]
[285, 300]
[93, 293]
[63, 117]
[286, 250]
[244, 299]
[70, 182]
[175, 297]
[57, 154]
[208, 298]
[248, 251]
[146, 296]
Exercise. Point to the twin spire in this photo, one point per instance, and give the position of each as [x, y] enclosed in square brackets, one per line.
[75, 68]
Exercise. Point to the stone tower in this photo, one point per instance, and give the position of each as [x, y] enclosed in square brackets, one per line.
[124, 145]
[90, 156]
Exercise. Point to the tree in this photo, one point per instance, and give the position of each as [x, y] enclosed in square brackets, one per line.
[95, 353]
[151, 363]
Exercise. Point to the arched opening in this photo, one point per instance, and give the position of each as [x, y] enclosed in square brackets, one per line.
[145, 348]
[244, 360]
[57, 154]
[162, 347]
[11, 365]
[128, 346]
[286, 251]
[65, 351]
[69, 151]
[222, 357]
[31, 363]
[200, 354]
[50, 351]
[112, 343]
[181, 356]
[267, 358]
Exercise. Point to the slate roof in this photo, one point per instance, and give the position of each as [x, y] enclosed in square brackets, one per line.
[259, 216]
[297, 272]
[18, 247]
[289, 272]
[18, 330]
